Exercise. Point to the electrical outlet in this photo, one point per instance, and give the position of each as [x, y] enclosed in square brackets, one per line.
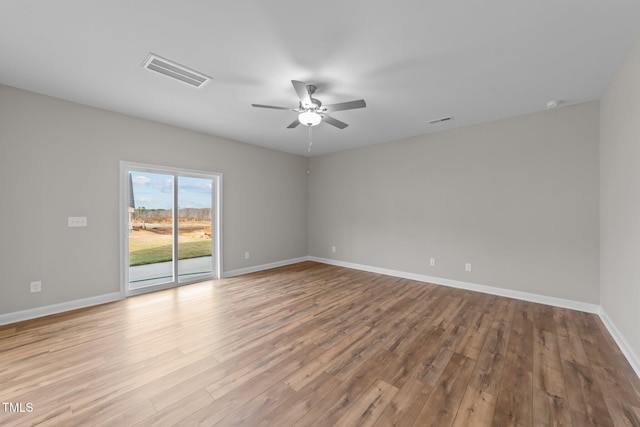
[246, 255]
[467, 266]
[77, 221]
[432, 262]
[333, 249]
[36, 286]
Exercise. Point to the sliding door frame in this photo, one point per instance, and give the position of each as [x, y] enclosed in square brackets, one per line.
[216, 221]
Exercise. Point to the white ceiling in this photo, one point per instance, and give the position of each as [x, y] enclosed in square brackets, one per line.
[412, 61]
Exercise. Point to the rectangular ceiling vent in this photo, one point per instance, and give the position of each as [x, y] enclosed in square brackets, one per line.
[440, 120]
[175, 71]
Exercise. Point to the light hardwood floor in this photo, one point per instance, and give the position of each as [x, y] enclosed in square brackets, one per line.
[312, 344]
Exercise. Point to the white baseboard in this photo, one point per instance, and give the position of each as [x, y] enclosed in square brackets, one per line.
[525, 296]
[626, 349]
[633, 359]
[33, 313]
[255, 268]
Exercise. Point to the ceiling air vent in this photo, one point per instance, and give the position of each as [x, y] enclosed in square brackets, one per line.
[440, 120]
[175, 71]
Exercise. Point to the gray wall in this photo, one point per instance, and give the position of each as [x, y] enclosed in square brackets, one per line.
[620, 200]
[518, 198]
[60, 159]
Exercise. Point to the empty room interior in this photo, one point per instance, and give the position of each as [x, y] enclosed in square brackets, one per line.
[342, 213]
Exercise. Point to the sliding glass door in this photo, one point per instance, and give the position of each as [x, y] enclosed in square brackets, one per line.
[171, 221]
[195, 249]
[150, 229]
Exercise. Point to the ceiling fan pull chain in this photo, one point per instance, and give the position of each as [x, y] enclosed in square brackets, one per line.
[310, 142]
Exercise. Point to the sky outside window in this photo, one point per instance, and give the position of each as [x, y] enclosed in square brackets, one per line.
[155, 191]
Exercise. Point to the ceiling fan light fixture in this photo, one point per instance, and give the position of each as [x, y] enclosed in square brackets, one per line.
[309, 118]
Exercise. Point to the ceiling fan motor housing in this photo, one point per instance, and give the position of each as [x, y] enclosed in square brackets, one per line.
[316, 102]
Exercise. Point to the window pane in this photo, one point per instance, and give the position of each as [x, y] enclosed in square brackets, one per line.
[194, 228]
[151, 229]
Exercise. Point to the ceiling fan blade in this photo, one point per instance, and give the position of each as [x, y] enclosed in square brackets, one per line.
[272, 107]
[294, 124]
[333, 122]
[345, 105]
[303, 93]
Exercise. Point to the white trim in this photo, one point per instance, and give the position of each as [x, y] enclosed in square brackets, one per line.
[255, 268]
[217, 205]
[626, 349]
[216, 211]
[48, 310]
[525, 296]
[123, 228]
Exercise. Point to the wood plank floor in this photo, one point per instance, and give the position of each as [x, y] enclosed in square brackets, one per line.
[312, 344]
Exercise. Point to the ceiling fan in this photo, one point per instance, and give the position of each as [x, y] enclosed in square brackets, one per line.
[311, 111]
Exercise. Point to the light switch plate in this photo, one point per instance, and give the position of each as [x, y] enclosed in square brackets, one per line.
[77, 221]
